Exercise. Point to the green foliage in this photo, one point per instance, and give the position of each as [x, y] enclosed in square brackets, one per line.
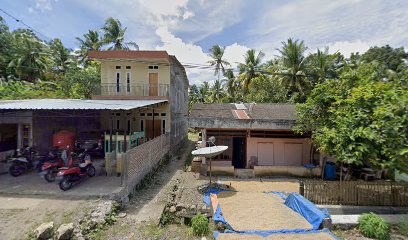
[267, 89]
[199, 225]
[166, 219]
[373, 226]
[360, 118]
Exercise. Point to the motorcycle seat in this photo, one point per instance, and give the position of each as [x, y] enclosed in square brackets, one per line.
[82, 165]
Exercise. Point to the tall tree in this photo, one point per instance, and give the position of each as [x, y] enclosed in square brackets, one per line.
[60, 55]
[217, 91]
[322, 65]
[114, 34]
[31, 57]
[217, 54]
[90, 41]
[293, 65]
[250, 68]
[204, 92]
[229, 82]
[394, 59]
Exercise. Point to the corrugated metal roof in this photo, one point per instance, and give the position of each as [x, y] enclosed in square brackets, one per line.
[75, 104]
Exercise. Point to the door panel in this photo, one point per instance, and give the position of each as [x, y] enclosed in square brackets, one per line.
[238, 152]
[293, 154]
[149, 128]
[153, 84]
[265, 154]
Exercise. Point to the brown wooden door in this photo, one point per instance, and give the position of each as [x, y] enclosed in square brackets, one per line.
[153, 84]
[149, 128]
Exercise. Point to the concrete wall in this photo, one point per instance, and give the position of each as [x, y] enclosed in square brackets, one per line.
[139, 71]
[240, 123]
[278, 150]
[178, 102]
[274, 171]
[135, 116]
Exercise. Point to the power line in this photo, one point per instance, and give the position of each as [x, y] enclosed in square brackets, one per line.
[20, 21]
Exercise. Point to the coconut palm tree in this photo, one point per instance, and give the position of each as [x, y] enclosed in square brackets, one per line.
[31, 57]
[204, 92]
[293, 64]
[217, 92]
[230, 83]
[114, 34]
[90, 41]
[217, 54]
[60, 55]
[250, 68]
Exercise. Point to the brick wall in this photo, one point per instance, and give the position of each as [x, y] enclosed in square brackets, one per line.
[142, 159]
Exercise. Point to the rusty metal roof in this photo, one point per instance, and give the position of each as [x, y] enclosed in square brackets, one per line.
[122, 54]
[75, 104]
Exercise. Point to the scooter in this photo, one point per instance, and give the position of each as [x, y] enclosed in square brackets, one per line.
[23, 162]
[51, 167]
[67, 176]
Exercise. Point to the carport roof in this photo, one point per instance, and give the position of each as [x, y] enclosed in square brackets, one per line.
[75, 104]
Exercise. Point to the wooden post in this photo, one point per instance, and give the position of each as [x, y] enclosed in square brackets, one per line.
[341, 180]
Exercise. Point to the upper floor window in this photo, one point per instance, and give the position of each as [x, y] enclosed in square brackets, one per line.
[118, 83]
[128, 67]
[153, 67]
[118, 67]
[128, 82]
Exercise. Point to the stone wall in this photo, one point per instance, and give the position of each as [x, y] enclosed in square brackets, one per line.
[142, 159]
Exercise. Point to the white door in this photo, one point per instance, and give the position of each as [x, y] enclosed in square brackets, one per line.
[265, 154]
[293, 154]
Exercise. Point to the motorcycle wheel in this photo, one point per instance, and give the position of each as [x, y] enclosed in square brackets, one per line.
[50, 176]
[65, 184]
[14, 171]
[91, 171]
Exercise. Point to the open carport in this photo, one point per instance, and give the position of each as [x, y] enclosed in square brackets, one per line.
[35, 121]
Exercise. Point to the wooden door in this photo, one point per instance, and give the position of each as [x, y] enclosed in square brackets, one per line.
[149, 128]
[153, 84]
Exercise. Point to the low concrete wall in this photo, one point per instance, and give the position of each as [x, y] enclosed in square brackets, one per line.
[263, 171]
[221, 170]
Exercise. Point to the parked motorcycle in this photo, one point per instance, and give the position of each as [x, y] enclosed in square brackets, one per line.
[67, 176]
[50, 168]
[23, 162]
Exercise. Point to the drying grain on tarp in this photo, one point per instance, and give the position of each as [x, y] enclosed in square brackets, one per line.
[259, 211]
[263, 185]
[297, 236]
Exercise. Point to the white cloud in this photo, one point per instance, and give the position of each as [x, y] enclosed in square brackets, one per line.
[42, 5]
[346, 47]
[234, 54]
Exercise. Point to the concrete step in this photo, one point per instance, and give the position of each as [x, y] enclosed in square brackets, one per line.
[244, 173]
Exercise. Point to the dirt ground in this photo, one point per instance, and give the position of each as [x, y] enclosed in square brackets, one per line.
[22, 214]
[247, 211]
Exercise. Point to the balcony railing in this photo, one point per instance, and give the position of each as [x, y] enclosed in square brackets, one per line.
[132, 90]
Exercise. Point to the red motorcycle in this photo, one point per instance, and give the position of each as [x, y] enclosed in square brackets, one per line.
[50, 169]
[67, 176]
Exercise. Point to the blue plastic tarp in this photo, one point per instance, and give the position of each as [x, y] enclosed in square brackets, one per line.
[269, 233]
[307, 209]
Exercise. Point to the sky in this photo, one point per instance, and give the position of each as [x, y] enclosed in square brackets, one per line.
[188, 28]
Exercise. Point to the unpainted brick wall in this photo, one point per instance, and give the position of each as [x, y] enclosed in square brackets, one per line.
[143, 158]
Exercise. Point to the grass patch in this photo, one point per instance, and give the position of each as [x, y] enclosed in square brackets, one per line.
[68, 217]
[403, 227]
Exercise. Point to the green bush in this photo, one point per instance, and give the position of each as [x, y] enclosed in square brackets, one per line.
[373, 226]
[199, 224]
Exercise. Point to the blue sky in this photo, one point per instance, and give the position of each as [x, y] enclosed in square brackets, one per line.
[188, 28]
